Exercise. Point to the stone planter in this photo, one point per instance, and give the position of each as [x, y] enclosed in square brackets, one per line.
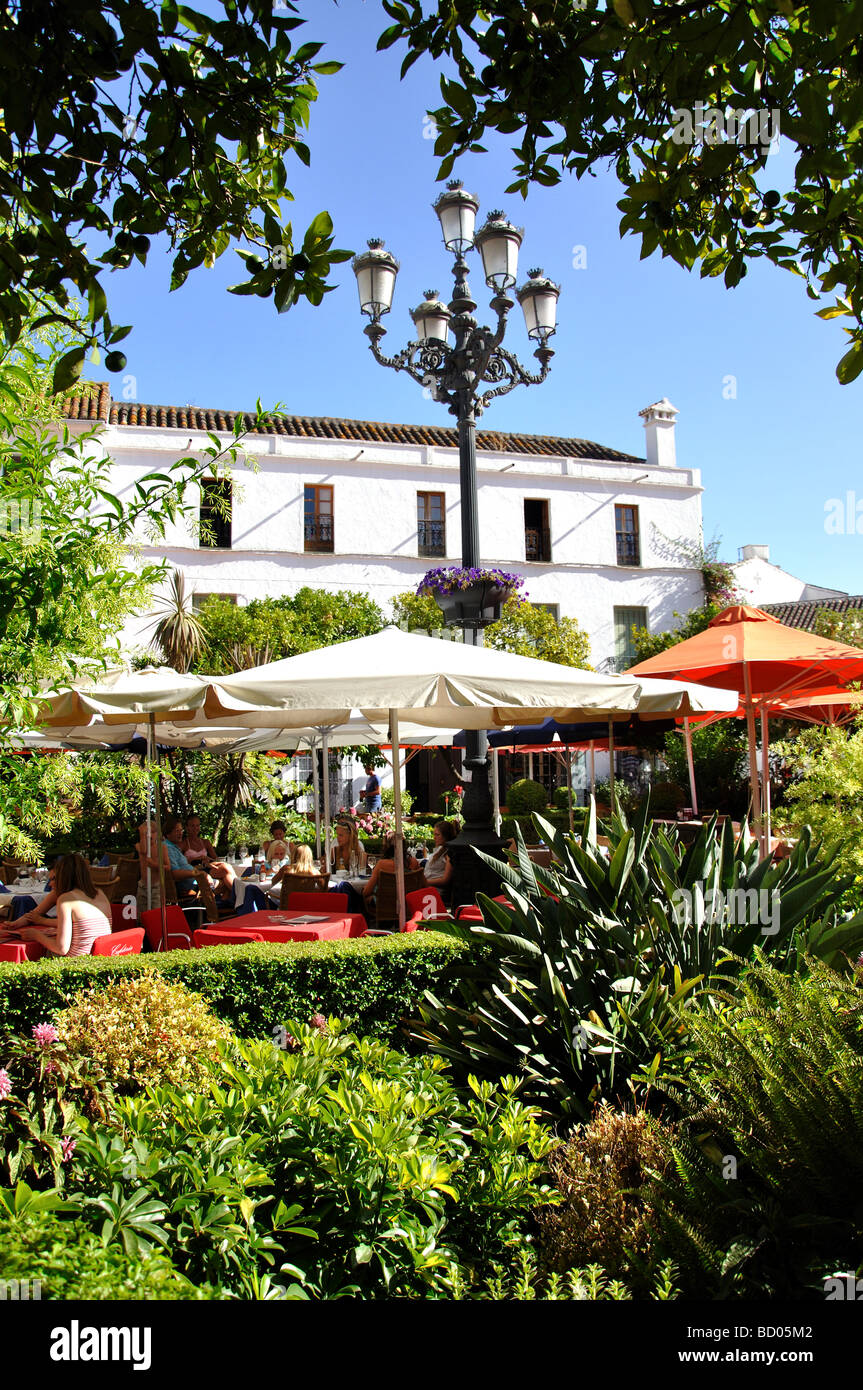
[474, 607]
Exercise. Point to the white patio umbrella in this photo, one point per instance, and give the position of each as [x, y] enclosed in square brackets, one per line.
[395, 677]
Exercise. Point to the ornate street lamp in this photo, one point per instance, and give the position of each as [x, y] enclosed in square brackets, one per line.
[465, 373]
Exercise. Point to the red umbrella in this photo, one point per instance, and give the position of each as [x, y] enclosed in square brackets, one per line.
[750, 651]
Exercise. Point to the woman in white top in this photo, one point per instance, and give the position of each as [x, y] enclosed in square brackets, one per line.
[83, 912]
[438, 869]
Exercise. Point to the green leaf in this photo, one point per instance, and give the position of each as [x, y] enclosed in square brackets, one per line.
[68, 370]
[851, 365]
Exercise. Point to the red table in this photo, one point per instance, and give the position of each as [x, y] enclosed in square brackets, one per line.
[279, 926]
[18, 951]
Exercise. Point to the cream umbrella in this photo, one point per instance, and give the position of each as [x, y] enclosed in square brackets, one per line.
[395, 677]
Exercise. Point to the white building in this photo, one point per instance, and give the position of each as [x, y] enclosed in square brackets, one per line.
[355, 504]
[760, 581]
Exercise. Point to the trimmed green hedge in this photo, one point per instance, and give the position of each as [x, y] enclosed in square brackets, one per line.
[254, 988]
[559, 819]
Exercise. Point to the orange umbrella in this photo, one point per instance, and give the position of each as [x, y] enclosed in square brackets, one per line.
[750, 651]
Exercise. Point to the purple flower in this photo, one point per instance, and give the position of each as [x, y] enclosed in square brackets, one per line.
[68, 1147]
[45, 1033]
[5, 1084]
[453, 579]
[318, 1021]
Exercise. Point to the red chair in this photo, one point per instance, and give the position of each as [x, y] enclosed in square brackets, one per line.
[119, 943]
[179, 936]
[330, 903]
[425, 902]
[468, 913]
[211, 937]
[120, 917]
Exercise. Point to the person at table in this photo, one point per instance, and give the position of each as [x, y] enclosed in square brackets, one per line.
[146, 851]
[278, 832]
[347, 850]
[371, 792]
[438, 868]
[83, 913]
[387, 865]
[196, 850]
[184, 874]
[225, 879]
[279, 854]
[38, 915]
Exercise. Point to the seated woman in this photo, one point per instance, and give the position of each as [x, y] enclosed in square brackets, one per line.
[183, 873]
[146, 851]
[347, 849]
[438, 868]
[279, 854]
[225, 878]
[278, 831]
[387, 865]
[196, 850]
[83, 913]
[41, 910]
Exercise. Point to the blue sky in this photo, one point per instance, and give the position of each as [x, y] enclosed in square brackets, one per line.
[629, 332]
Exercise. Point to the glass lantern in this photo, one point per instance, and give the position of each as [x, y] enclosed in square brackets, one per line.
[376, 271]
[431, 318]
[499, 241]
[538, 299]
[457, 210]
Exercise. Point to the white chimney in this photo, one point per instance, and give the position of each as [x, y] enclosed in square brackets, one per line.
[755, 552]
[659, 430]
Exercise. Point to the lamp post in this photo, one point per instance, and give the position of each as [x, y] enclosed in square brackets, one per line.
[465, 366]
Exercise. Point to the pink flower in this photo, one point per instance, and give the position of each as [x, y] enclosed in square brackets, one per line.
[5, 1084]
[459, 791]
[45, 1033]
[318, 1021]
[68, 1147]
[50, 1066]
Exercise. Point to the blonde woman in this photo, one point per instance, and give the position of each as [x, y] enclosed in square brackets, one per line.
[300, 862]
[347, 850]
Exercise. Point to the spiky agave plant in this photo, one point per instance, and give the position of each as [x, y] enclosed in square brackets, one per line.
[587, 976]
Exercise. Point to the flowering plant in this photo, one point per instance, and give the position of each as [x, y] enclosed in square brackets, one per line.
[453, 579]
[375, 824]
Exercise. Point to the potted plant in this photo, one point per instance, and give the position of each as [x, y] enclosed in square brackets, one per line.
[471, 597]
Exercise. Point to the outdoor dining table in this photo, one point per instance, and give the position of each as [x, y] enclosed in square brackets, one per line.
[18, 951]
[299, 926]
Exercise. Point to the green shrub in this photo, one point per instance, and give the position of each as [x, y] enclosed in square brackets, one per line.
[586, 978]
[374, 981]
[69, 1261]
[142, 1030]
[524, 796]
[388, 800]
[330, 1166]
[761, 1191]
[44, 1093]
[522, 1280]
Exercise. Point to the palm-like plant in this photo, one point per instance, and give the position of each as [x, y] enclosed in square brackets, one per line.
[178, 631]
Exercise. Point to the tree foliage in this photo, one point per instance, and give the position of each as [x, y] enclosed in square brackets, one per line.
[826, 788]
[589, 84]
[299, 622]
[523, 628]
[151, 118]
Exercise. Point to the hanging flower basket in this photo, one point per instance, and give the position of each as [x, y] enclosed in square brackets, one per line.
[470, 598]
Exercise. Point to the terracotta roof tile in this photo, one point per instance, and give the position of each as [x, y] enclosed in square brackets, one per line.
[804, 612]
[101, 407]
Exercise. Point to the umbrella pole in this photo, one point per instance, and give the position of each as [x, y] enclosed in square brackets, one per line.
[495, 788]
[569, 788]
[149, 819]
[592, 767]
[158, 795]
[326, 770]
[397, 800]
[611, 766]
[687, 738]
[530, 766]
[753, 756]
[765, 777]
[316, 787]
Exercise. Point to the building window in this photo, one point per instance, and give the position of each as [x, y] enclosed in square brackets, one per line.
[431, 523]
[537, 537]
[199, 599]
[214, 524]
[626, 620]
[318, 518]
[626, 529]
[552, 608]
